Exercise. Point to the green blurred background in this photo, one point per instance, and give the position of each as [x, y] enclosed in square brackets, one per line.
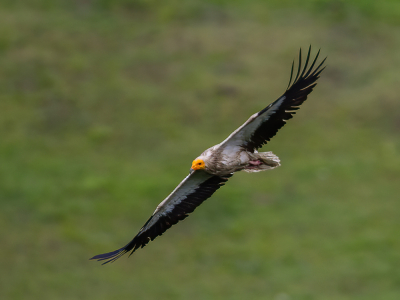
[104, 104]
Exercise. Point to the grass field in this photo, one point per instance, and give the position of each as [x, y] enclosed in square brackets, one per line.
[104, 104]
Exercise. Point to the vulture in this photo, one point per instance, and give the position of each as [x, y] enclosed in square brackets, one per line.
[238, 152]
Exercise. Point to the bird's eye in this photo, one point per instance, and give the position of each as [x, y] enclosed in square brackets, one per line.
[199, 163]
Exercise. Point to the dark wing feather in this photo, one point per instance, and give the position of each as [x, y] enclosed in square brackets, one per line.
[295, 95]
[262, 126]
[193, 190]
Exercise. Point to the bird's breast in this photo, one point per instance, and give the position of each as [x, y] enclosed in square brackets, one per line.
[226, 161]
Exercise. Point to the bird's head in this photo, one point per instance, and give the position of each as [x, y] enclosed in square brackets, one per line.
[198, 164]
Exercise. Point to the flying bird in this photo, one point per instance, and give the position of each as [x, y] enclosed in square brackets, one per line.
[238, 152]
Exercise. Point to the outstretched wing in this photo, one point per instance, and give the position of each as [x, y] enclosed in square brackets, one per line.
[190, 193]
[262, 126]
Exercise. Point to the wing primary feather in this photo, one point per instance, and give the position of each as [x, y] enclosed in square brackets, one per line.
[291, 75]
[312, 65]
[317, 71]
[299, 68]
[306, 64]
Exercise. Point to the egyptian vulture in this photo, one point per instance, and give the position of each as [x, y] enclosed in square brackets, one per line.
[216, 165]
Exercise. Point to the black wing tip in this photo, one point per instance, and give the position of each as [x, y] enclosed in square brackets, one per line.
[296, 93]
[106, 255]
[306, 76]
[291, 75]
[110, 256]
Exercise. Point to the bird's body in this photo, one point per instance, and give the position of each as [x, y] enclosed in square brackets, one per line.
[217, 164]
[224, 159]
